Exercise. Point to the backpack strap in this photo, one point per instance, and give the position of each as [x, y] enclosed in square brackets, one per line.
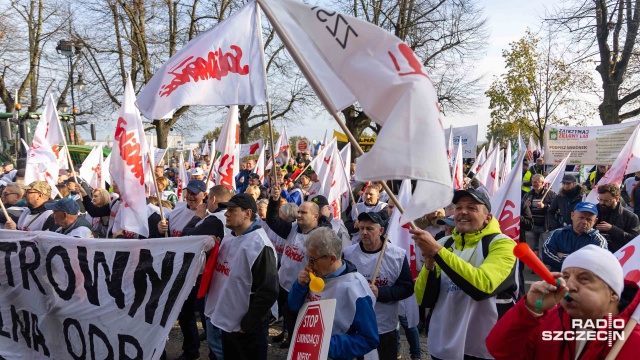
[486, 242]
[449, 242]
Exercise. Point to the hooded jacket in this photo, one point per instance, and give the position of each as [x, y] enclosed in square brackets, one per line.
[560, 210]
[519, 334]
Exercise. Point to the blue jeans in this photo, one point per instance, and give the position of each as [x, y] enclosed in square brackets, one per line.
[214, 339]
[412, 337]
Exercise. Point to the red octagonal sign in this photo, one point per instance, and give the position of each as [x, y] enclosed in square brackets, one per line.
[308, 341]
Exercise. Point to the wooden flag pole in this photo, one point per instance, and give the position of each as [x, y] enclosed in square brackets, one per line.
[4, 210]
[155, 184]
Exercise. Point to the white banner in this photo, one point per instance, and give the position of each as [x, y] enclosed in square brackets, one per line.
[66, 298]
[469, 136]
[588, 145]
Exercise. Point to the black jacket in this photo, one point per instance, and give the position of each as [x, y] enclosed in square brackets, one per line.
[625, 226]
[264, 286]
[540, 215]
[559, 212]
[210, 226]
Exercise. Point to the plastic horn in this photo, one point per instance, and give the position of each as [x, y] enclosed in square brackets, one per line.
[523, 252]
[316, 284]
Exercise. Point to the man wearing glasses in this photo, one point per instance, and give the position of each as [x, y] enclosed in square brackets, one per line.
[618, 224]
[11, 196]
[354, 330]
[571, 238]
[295, 234]
[36, 217]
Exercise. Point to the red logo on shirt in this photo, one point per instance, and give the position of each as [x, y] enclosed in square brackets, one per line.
[294, 254]
[223, 268]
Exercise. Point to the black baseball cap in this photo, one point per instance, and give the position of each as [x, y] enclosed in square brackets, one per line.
[320, 200]
[477, 195]
[243, 200]
[196, 186]
[254, 176]
[568, 178]
[372, 216]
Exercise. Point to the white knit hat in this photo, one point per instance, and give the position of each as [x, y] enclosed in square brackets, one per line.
[600, 262]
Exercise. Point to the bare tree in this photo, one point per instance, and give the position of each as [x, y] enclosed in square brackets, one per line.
[139, 36]
[27, 27]
[606, 32]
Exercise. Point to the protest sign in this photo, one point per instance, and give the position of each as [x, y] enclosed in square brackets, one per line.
[312, 334]
[72, 298]
[469, 137]
[588, 145]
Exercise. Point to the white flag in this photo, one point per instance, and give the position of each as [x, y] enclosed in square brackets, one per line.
[488, 173]
[222, 66]
[128, 166]
[345, 154]
[629, 257]
[259, 168]
[554, 178]
[482, 157]
[490, 148]
[192, 161]
[282, 147]
[181, 180]
[329, 167]
[531, 148]
[458, 171]
[627, 162]
[205, 148]
[91, 169]
[506, 203]
[42, 163]
[63, 158]
[506, 170]
[53, 133]
[251, 149]
[229, 148]
[386, 78]
[106, 177]
[399, 235]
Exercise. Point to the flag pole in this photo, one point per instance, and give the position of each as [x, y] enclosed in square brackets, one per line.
[213, 158]
[155, 184]
[268, 102]
[628, 329]
[319, 90]
[4, 210]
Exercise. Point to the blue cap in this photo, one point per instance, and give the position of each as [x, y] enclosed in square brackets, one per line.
[196, 186]
[587, 207]
[67, 205]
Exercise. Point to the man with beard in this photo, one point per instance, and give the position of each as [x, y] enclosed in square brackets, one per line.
[618, 224]
[595, 176]
[36, 217]
[562, 206]
[571, 238]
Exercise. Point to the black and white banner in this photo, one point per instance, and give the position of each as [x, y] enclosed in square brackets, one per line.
[71, 298]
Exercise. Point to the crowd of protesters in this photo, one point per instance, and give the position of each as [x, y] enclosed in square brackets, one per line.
[467, 292]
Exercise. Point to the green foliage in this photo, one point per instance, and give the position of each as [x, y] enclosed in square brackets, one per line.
[539, 88]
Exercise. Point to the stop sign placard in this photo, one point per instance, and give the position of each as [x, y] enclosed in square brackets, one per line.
[313, 331]
[302, 145]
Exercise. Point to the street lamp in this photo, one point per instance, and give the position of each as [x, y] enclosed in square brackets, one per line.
[80, 84]
[69, 49]
[63, 107]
